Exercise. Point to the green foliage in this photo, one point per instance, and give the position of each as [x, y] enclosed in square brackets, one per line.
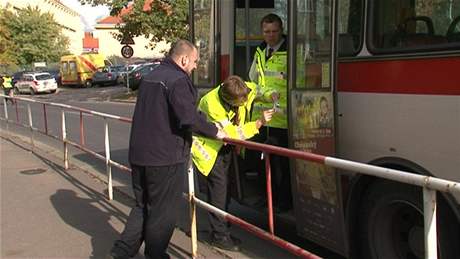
[35, 36]
[7, 46]
[167, 20]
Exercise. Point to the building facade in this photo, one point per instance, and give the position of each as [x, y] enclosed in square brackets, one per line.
[68, 19]
[106, 28]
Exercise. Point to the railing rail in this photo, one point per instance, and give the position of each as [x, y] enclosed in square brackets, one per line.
[81, 146]
[429, 184]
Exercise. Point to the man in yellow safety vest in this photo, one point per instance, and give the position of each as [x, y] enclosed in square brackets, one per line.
[269, 72]
[228, 106]
[7, 87]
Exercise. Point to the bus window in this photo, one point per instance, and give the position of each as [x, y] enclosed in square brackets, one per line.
[350, 27]
[204, 31]
[412, 25]
[313, 45]
[248, 33]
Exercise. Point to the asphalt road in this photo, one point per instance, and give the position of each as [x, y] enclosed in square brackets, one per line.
[100, 99]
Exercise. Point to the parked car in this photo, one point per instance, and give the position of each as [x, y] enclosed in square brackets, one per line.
[108, 75]
[136, 74]
[79, 69]
[36, 83]
[56, 75]
[17, 76]
[128, 69]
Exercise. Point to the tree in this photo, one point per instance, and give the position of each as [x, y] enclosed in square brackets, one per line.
[34, 36]
[7, 47]
[157, 20]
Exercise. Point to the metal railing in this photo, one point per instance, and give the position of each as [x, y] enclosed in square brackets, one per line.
[429, 184]
[65, 140]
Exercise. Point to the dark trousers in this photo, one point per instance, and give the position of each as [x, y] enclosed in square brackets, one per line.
[281, 176]
[7, 91]
[158, 191]
[216, 189]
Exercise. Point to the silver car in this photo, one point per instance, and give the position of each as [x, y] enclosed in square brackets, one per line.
[108, 75]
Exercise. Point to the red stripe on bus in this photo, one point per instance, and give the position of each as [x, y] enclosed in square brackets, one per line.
[88, 63]
[438, 76]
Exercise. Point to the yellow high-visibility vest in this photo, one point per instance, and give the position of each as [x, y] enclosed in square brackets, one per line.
[272, 77]
[205, 150]
[7, 82]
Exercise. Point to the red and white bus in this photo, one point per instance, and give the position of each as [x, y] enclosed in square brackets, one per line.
[389, 69]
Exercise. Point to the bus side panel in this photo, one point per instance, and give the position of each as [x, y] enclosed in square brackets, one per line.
[419, 121]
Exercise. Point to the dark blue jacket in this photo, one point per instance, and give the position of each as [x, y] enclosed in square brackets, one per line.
[165, 117]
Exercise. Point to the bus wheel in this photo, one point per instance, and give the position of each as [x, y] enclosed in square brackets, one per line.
[88, 83]
[32, 91]
[391, 224]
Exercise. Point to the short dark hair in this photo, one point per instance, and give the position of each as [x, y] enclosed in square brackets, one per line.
[181, 47]
[234, 91]
[271, 18]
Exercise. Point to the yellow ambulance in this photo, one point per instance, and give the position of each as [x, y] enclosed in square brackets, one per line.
[79, 69]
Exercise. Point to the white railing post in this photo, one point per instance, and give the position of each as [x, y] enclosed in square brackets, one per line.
[107, 160]
[191, 199]
[64, 140]
[5, 109]
[429, 209]
[29, 112]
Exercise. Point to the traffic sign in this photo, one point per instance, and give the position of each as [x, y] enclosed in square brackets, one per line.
[127, 51]
[127, 40]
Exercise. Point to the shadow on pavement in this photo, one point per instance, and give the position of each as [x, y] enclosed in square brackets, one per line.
[82, 214]
[89, 215]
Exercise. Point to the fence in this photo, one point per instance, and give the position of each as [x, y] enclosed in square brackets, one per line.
[429, 184]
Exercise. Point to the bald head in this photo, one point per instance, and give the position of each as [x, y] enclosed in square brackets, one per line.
[185, 55]
[180, 48]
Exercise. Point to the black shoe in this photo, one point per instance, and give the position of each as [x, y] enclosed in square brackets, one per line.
[226, 243]
[235, 240]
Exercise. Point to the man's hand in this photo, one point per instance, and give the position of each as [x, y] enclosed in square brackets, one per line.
[221, 134]
[266, 117]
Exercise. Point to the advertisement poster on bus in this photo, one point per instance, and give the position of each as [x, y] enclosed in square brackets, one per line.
[315, 184]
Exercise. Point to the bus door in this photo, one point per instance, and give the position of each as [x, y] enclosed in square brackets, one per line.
[248, 177]
[316, 188]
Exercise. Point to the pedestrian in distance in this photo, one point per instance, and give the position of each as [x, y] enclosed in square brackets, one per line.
[6, 82]
[228, 105]
[164, 118]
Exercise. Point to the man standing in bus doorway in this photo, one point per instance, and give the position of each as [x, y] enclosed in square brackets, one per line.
[228, 105]
[159, 150]
[269, 72]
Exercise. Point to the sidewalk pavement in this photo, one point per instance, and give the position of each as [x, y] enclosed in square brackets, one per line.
[49, 212]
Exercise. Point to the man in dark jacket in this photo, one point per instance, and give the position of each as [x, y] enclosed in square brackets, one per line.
[161, 135]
